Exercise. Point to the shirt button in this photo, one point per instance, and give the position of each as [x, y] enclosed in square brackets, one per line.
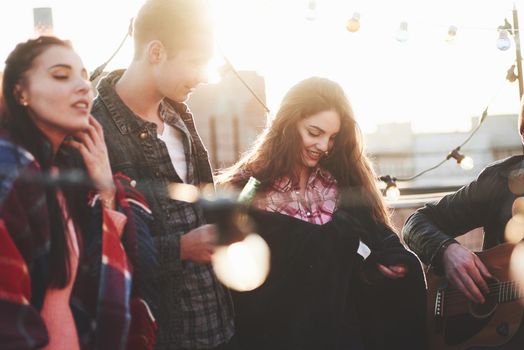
[143, 135]
[308, 214]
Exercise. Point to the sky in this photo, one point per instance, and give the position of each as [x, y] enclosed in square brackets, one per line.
[435, 85]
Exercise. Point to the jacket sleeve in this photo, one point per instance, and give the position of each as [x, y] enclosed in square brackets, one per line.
[435, 224]
[24, 251]
[29, 331]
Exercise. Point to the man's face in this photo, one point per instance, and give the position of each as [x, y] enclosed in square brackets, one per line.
[177, 75]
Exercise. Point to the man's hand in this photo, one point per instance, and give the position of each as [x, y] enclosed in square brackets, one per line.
[199, 244]
[466, 272]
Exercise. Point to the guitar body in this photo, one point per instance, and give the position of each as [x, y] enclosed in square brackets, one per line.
[455, 323]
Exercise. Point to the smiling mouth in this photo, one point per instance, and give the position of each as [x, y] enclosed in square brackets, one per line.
[81, 105]
[314, 155]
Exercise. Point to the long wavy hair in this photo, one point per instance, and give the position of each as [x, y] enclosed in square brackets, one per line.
[22, 130]
[276, 152]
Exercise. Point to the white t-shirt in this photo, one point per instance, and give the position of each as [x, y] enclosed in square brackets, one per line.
[173, 138]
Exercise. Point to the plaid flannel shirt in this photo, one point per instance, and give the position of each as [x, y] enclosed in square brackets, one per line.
[100, 299]
[195, 311]
[316, 206]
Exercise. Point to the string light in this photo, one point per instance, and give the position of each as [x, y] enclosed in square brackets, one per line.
[392, 191]
[452, 34]
[353, 24]
[465, 162]
[311, 10]
[503, 41]
[402, 33]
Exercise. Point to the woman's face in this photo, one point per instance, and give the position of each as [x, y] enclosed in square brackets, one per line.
[318, 134]
[57, 93]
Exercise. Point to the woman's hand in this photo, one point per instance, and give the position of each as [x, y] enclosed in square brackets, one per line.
[92, 147]
[393, 271]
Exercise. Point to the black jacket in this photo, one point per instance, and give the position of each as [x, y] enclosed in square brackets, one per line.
[314, 297]
[485, 202]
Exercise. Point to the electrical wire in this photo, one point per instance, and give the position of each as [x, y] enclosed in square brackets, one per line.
[100, 69]
[448, 156]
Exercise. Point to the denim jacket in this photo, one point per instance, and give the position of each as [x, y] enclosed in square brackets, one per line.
[135, 150]
[485, 202]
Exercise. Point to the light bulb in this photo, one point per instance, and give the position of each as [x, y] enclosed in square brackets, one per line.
[311, 10]
[466, 163]
[452, 33]
[243, 265]
[402, 33]
[353, 24]
[503, 42]
[392, 193]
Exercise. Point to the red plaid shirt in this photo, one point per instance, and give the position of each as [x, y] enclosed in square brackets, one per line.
[316, 207]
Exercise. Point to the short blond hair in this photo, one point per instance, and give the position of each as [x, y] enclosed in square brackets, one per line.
[175, 23]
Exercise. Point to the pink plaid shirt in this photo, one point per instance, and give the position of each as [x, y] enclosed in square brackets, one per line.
[316, 207]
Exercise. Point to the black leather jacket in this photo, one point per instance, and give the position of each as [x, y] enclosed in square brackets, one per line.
[485, 202]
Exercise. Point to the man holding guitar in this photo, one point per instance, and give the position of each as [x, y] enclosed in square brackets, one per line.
[430, 231]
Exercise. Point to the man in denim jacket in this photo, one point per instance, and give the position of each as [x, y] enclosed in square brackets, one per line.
[151, 137]
[486, 202]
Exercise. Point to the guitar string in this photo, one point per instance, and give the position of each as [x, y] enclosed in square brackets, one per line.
[455, 296]
[493, 288]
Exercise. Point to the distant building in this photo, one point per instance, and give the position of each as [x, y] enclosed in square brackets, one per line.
[397, 151]
[228, 117]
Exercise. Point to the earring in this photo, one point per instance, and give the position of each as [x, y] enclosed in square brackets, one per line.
[25, 103]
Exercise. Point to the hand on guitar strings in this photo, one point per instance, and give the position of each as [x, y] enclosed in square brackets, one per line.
[466, 272]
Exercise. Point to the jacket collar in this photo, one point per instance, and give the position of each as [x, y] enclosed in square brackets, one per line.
[124, 118]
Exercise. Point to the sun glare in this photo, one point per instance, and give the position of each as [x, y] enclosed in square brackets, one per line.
[435, 83]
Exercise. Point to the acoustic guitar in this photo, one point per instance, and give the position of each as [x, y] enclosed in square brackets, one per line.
[456, 323]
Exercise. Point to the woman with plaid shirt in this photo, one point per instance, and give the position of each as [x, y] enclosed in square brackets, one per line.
[321, 192]
[65, 278]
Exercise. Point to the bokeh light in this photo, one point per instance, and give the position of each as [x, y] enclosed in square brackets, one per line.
[242, 266]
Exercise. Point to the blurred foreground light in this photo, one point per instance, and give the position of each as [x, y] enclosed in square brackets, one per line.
[514, 231]
[183, 192]
[402, 33]
[353, 24]
[517, 265]
[518, 206]
[244, 265]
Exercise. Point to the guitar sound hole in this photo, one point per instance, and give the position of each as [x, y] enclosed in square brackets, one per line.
[489, 306]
